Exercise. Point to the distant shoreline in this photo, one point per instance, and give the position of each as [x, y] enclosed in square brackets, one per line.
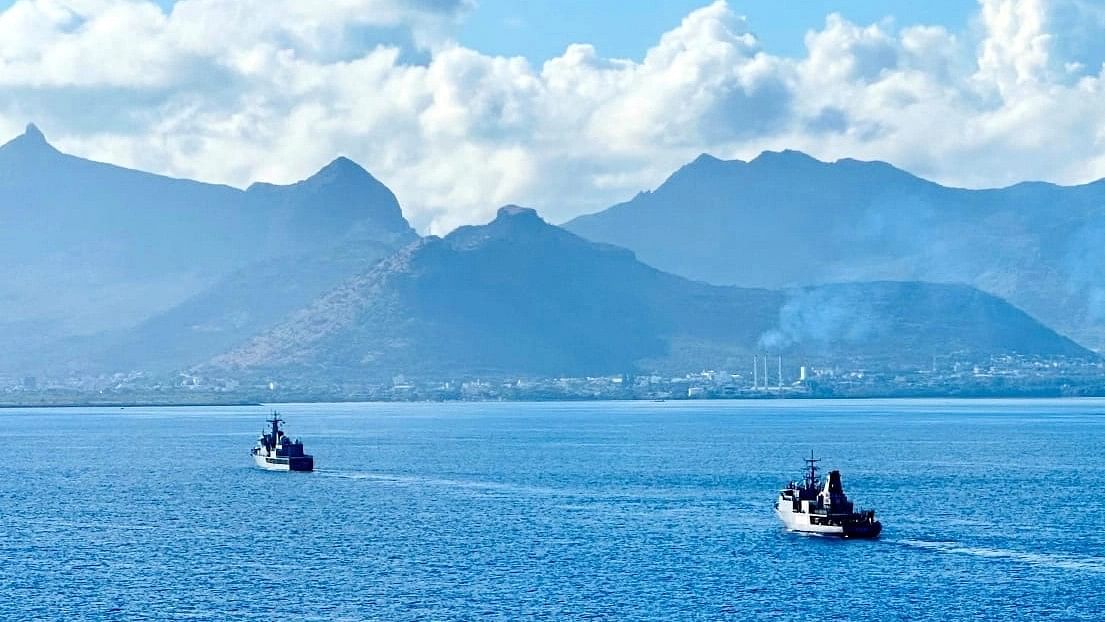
[679, 400]
[13, 405]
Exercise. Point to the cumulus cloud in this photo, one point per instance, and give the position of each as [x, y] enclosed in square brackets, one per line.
[239, 90]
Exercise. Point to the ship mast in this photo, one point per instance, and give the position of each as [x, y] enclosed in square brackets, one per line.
[275, 421]
[811, 471]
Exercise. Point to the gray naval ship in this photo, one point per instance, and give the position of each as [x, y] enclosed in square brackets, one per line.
[275, 451]
[812, 507]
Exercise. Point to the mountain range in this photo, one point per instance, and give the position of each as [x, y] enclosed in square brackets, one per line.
[324, 280]
[786, 219]
[92, 249]
[520, 296]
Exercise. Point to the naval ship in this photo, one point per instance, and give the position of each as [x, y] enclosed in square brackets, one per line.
[812, 507]
[276, 452]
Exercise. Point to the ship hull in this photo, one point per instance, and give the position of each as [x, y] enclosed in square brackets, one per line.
[800, 522]
[301, 464]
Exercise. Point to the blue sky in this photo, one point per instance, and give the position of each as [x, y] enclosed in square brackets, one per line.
[541, 29]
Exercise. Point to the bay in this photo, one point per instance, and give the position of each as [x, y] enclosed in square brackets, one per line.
[597, 510]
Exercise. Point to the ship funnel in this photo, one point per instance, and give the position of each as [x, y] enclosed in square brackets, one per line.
[833, 493]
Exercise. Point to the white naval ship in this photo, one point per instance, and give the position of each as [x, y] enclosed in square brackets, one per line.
[810, 507]
[276, 452]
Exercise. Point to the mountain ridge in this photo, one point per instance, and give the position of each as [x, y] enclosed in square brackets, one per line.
[95, 248]
[518, 296]
[785, 220]
[325, 275]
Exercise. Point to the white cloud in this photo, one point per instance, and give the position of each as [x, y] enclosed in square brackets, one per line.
[238, 90]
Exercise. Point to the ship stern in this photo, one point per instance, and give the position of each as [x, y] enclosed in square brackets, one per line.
[301, 463]
[864, 530]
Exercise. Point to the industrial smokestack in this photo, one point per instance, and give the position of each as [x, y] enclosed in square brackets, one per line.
[755, 371]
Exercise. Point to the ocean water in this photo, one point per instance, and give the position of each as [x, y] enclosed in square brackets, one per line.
[992, 510]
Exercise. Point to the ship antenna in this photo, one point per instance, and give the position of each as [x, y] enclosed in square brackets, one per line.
[811, 474]
[275, 421]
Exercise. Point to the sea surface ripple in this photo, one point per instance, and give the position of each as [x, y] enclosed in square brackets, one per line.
[992, 511]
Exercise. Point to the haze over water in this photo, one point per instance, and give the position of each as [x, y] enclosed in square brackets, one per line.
[552, 511]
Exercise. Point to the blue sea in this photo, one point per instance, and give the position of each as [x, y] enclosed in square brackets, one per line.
[993, 510]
